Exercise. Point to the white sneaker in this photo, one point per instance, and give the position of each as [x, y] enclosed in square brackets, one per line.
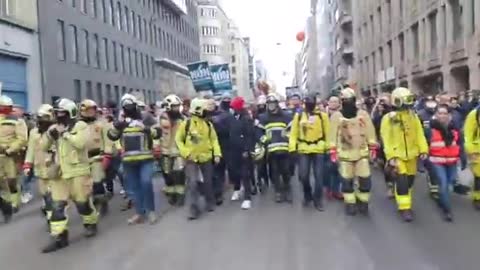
[247, 204]
[26, 197]
[236, 195]
[122, 191]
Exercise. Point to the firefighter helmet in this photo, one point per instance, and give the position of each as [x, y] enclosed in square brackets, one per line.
[170, 101]
[68, 106]
[6, 101]
[197, 106]
[402, 97]
[45, 112]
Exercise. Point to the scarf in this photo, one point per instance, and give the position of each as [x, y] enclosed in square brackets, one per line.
[445, 131]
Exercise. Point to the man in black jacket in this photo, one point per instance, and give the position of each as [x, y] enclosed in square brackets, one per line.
[221, 119]
[242, 143]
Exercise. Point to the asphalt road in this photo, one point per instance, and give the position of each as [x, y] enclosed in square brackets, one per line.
[267, 237]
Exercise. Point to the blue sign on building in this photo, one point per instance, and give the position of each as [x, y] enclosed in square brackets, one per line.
[221, 78]
[201, 76]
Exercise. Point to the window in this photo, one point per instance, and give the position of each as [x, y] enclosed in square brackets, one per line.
[147, 65]
[401, 41]
[380, 55]
[77, 86]
[133, 21]
[234, 70]
[145, 31]
[416, 41]
[104, 11]
[117, 93]
[127, 20]
[83, 6]
[111, 8]
[106, 56]
[129, 57]
[61, 40]
[118, 15]
[89, 90]
[96, 52]
[108, 89]
[155, 35]
[136, 64]
[115, 59]
[141, 65]
[457, 12]
[233, 59]
[152, 61]
[432, 19]
[139, 22]
[93, 7]
[85, 48]
[390, 54]
[99, 94]
[74, 3]
[122, 58]
[74, 43]
[234, 81]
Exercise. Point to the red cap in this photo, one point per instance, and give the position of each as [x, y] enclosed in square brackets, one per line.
[237, 103]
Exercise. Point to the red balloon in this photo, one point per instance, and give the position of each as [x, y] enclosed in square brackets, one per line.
[301, 36]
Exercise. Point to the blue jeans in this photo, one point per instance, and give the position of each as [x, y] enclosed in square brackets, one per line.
[333, 179]
[317, 163]
[27, 181]
[445, 174]
[139, 185]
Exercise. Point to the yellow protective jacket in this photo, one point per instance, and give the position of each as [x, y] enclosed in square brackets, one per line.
[36, 156]
[352, 138]
[167, 141]
[136, 140]
[471, 132]
[72, 150]
[98, 142]
[308, 133]
[403, 136]
[13, 134]
[198, 144]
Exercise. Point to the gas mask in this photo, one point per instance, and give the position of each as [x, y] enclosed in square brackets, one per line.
[43, 125]
[130, 110]
[174, 115]
[349, 107]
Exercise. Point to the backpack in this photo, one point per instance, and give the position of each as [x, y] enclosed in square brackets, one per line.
[187, 129]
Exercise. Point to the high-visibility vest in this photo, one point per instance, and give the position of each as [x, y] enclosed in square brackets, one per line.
[440, 153]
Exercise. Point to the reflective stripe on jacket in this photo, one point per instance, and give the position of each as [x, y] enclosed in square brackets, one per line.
[440, 153]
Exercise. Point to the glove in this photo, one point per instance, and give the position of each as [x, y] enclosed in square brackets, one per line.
[333, 155]
[106, 160]
[54, 134]
[157, 152]
[423, 156]
[120, 125]
[373, 152]
[27, 168]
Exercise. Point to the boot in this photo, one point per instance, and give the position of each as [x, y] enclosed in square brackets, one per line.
[447, 216]
[254, 190]
[180, 200]
[318, 205]
[194, 213]
[288, 195]
[476, 205]
[406, 215]
[57, 243]
[279, 197]
[362, 208]
[90, 230]
[461, 189]
[350, 209]
[127, 205]
[6, 209]
[103, 208]
[172, 198]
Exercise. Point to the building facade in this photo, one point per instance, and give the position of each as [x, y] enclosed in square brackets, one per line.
[101, 49]
[342, 32]
[251, 66]
[20, 73]
[239, 63]
[428, 46]
[213, 25]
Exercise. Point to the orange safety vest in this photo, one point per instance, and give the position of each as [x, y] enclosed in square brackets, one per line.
[441, 153]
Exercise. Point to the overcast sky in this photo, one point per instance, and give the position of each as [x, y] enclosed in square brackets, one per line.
[269, 22]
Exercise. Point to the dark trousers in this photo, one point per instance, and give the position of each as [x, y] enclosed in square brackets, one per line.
[317, 163]
[113, 171]
[219, 176]
[199, 182]
[239, 172]
[280, 171]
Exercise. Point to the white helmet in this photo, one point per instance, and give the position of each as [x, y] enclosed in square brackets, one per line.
[171, 100]
[197, 106]
[6, 101]
[261, 100]
[128, 99]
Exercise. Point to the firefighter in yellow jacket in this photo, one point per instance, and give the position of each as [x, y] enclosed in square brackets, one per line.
[198, 144]
[70, 138]
[99, 148]
[308, 139]
[44, 161]
[404, 142]
[353, 142]
[171, 162]
[471, 132]
[13, 139]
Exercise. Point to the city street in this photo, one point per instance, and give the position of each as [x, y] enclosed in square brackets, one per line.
[267, 237]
